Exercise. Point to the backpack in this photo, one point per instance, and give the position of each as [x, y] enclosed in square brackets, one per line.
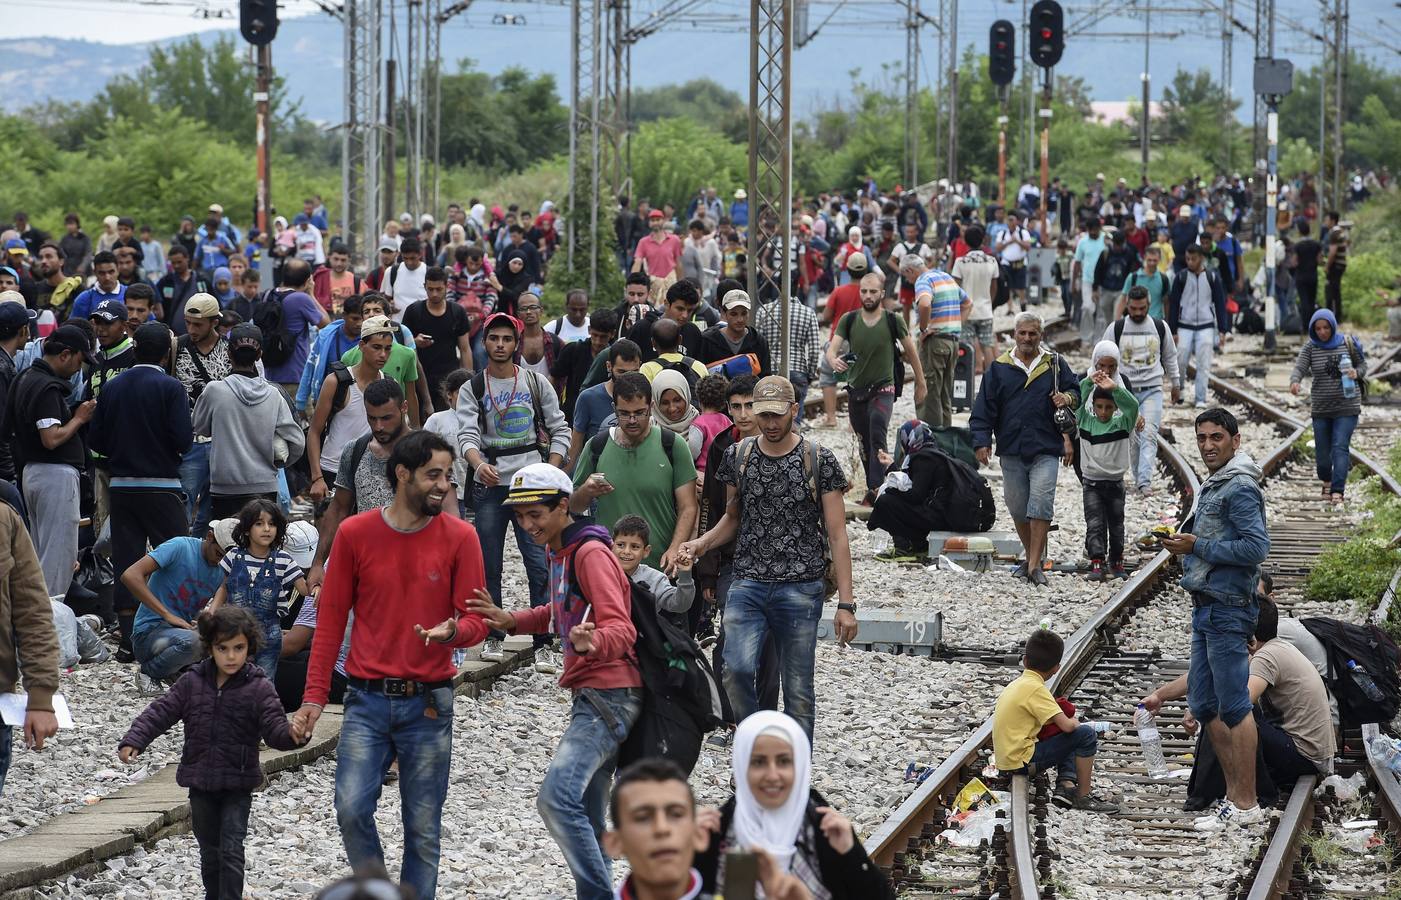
[344, 379]
[967, 504]
[897, 372]
[682, 700]
[1162, 332]
[810, 467]
[686, 366]
[734, 366]
[1357, 357]
[600, 441]
[278, 342]
[542, 438]
[1373, 651]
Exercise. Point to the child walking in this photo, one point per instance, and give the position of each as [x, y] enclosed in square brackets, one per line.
[227, 704]
[258, 573]
[1107, 415]
[632, 543]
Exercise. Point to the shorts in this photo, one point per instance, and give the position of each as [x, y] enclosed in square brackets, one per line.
[907, 295]
[1029, 486]
[1016, 277]
[1218, 679]
[982, 331]
[826, 377]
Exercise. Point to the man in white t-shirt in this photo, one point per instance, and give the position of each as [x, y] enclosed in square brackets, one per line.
[977, 273]
[404, 280]
[1012, 247]
[574, 325]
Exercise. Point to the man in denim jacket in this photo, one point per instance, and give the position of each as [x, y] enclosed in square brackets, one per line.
[1222, 546]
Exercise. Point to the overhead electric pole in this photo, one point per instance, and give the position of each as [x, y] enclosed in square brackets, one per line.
[362, 131]
[953, 91]
[771, 160]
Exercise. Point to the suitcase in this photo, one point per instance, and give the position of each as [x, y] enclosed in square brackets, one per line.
[963, 377]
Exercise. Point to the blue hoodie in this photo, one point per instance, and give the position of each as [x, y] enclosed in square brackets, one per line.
[1232, 540]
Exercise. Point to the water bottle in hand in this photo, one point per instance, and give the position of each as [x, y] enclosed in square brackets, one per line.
[1151, 742]
[1365, 681]
[1349, 386]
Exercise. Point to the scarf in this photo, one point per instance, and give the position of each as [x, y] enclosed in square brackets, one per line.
[1107, 350]
[914, 436]
[773, 830]
[226, 297]
[1333, 342]
[478, 216]
[672, 380]
[853, 236]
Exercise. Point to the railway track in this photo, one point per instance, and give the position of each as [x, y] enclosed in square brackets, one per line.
[1152, 836]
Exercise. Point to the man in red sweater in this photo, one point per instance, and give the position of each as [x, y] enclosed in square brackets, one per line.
[400, 568]
[591, 606]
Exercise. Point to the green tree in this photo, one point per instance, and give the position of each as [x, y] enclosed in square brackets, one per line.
[1298, 112]
[504, 123]
[700, 100]
[671, 158]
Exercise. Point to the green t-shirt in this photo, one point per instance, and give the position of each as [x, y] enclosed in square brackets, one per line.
[644, 484]
[402, 365]
[875, 351]
[1156, 285]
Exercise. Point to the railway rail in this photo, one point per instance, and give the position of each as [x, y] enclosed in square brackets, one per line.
[1104, 681]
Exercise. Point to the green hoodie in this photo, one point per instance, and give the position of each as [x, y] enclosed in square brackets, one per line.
[1104, 446]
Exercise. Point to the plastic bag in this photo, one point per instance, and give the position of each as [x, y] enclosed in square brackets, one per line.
[1344, 788]
[66, 624]
[978, 825]
[972, 794]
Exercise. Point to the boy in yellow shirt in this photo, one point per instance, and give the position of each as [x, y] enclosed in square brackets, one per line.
[1024, 708]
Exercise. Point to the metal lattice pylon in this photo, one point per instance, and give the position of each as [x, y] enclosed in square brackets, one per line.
[361, 133]
[585, 135]
[770, 237]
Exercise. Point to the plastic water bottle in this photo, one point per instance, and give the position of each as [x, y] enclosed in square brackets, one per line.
[1364, 681]
[1046, 623]
[1385, 753]
[1151, 742]
[1349, 386]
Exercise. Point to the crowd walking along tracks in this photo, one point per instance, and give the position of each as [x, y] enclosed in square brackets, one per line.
[1136, 642]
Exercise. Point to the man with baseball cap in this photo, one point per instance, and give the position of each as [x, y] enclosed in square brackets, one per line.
[139, 432]
[659, 255]
[591, 609]
[338, 419]
[116, 354]
[785, 512]
[201, 358]
[49, 450]
[734, 337]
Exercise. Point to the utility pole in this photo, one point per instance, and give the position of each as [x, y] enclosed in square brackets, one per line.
[1002, 61]
[1340, 35]
[1226, 45]
[953, 92]
[771, 157]
[1274, 78]
[1047, 44]
[389, 68]
[1145, 124]
[912, 93]
[261, 99]
[362, 132]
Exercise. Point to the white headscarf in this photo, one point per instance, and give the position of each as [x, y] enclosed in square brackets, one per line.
[478, 215]
[853, 236]
[773, 830]
[1107, 349]
[672, 380]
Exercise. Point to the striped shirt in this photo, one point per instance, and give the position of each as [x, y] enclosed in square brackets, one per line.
[946, 303]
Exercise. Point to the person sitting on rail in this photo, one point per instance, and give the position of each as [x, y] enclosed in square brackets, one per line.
[1024, 708]
[1106, 420]
[1292, 721]
[804, 847]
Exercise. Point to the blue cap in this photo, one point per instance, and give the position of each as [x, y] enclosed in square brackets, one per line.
[109, 311]
[13, 315]
[16, 244]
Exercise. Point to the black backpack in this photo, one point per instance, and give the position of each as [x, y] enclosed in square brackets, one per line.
[278, 343]
[966, 500]
[682, 700]
[897, 372]
[1371, 649]
[1162, 332]
[686, 366]
[344, 379]
[542, 435]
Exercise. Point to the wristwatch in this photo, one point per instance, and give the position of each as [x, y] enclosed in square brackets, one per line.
[847, 607]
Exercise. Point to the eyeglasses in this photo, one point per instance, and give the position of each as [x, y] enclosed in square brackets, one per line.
[632, 416]
[529, 308]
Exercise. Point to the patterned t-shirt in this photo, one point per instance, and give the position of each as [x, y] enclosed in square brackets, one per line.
[781, 535]
[369, 482]
[216, 367]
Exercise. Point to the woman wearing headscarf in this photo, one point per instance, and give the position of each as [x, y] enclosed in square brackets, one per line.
[224, 290]
[476, 221]
[854, 244]
[672, 409]
[457, 237]
[1104, 358]
[1337, 366]
[804, 847]
[907, 507]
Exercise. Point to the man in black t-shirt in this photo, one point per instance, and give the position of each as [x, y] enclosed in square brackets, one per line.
[1335, 264]
[1307, 252]
[572, 365]
[442, 334]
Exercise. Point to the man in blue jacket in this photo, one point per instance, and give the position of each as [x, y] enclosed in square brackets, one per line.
[1017, 402]
[1222, 545]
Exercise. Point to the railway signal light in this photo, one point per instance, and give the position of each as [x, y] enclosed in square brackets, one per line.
[1002, 52]
[257, 21]
[1047, 33]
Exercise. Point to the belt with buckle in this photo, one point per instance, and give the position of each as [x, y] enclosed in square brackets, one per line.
[396, 687]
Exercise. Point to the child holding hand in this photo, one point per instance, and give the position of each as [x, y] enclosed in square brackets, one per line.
[632, 543]
[227, 704]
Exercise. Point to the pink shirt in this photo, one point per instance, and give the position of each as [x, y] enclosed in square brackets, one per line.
[710, 424]
[661, 256]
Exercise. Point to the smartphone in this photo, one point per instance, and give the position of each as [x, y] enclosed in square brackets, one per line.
[741, 875]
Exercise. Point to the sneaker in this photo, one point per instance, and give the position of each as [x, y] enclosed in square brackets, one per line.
[718, 739]
[545, 662]
[1118, 571]
[147, 686]
[1213, 811]
[93, 622]
[492, 652]
[1096, 570]
[1064, 797]
[1201, 404]
[124, 655]
[1037, 577]
[1145, 491]
[1088, 803]
[1020, 570]
[899, 555]
[1229, 814]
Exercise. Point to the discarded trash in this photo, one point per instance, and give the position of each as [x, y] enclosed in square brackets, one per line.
[972, 794]
[1344, 788]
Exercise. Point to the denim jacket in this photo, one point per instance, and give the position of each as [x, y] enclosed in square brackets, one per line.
[1232, 541]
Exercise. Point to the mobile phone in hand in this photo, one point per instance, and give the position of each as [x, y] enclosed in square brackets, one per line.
[741, 875]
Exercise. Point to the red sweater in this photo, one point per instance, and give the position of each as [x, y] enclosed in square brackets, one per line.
[394, 581]
[606, 600]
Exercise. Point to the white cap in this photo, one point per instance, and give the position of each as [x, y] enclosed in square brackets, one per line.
[736, 298]
[223, 532]
[300, 543]
[538, 483]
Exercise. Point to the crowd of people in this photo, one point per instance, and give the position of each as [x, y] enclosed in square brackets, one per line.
[304, 493]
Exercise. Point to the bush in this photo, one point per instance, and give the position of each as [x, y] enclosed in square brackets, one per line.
[1365, 273]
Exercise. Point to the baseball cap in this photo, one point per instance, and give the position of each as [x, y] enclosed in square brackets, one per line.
[388, 245]
[773, 394]
[109, 311]
[656, 214]
[538, 483]
[152, 336]
[246, 334]
[1184, 211]
[496, 319]
[15, 245]
[376, 325]
[12, 297]
[736, 298]
[856, 262]
[216, 208]
[13, 315]
[223, 532]
[71, 337]
[203, 306]
[741, 194]
[300, 543]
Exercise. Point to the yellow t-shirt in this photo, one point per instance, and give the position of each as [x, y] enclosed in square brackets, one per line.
[1023, 709]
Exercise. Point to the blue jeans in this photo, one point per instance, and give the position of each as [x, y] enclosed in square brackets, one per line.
[574, 795]
[1063, 749]
[1143, 445]
[790, 610]
[1196, 346]
[1331, 440]
[164, 651]
[6, 744]
[1029, 488]
[1219, 674]
[194, 481]
[492, 521]
[375, 731]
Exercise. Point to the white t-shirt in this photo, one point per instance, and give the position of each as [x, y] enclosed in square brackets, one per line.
[567, 331]
[975, 271]
[406, 288]
[1014, 252]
